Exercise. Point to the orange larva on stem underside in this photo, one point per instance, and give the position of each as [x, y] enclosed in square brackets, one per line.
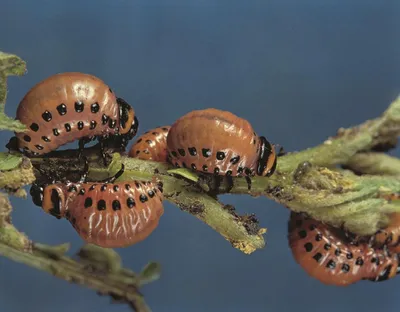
[219, 142]
[105, 213]
[152, 145]
[69, 106]
[331, 257]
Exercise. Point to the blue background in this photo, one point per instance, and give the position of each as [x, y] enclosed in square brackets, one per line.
[297, 70]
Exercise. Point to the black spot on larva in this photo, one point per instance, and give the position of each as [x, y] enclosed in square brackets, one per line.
[331, 264]
[143, 198]
[327, 246]
[45, 138]
[359, 261]
[302, 234]
[338, 252]
[101, 204]
[82, 192]
[103, 187]
[92, 187]
[79, 106]
[312, 227]
[116, 205]
[137, 152]
[181, 151]
[39, 147]
[220, 155]
[62, 109]
[47, 116]
[235, 160]
[93, 124]
[88, 202]
[349, 255]
[27, 138]
[72, 189]
[140, 140]
[174, 154]
[192, 151]
[373, 260]
[184, 165]
[205, 168]
[109, 89]
[67, 127]
[164, 129]
[248, 171]
[308, 247]
[317, 257]
[55, 132]
[34, 127]
[345, 268]
[193, 166]
[229, 173]
[94, 108]
[216, 170]
[151, 193]
[206, 152]
[112, 123]
[384, 275]
[127, 187]
[116, 188]
[240, 170]
[104, 119]
[130, 202]
[80, 125]
[149, 141]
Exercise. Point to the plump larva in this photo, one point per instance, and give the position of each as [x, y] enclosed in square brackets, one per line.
[219, 142]
[107, 214]
[152, 145]
[70, 106]
[328, 255]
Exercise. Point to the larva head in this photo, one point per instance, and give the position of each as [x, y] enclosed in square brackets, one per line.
[127, 119]
[267, 159]
[53, 200]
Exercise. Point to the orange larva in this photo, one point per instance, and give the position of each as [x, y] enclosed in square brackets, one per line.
[390, 236]
[219, 142]
[70, 106]
[105, 213]
[328, 255]
[152, 145]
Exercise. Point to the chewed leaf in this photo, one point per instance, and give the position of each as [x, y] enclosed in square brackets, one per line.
[7, 123]
[9, 161]
[10, 65]
[150, 273]
[186, 173]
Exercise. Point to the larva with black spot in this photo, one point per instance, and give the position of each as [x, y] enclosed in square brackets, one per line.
[152, 145]
[328, 255]
[219, 142]
[390, 236]
[69, 106]
[106, 214]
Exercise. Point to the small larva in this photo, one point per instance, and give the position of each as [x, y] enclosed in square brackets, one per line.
[152, 145]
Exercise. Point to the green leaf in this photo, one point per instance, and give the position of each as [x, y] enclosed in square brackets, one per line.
[150, 273]
[186, 173]
[9, 161]
[10, 65]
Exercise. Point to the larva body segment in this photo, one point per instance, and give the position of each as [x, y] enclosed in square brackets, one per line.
[107, 214]
[69, 106]
[152, 145]
[328, 255]
[219, 142]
